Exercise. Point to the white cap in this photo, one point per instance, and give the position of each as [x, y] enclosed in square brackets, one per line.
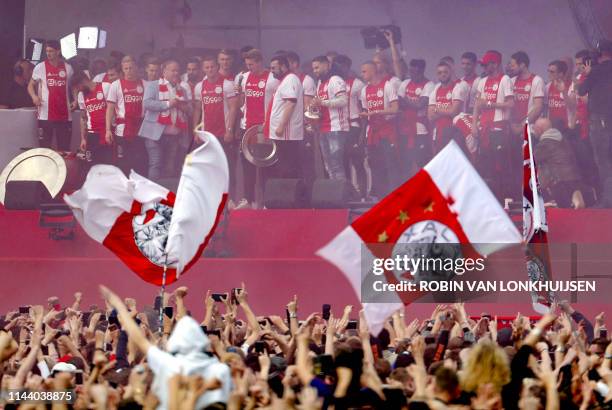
[64, 367]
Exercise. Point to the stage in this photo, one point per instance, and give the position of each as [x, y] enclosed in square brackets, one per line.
[272, 251]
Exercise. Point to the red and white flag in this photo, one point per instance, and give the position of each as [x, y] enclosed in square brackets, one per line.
[146, 225]
[445, 202]
[535, 229]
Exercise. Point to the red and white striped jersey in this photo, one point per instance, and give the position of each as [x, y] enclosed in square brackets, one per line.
[258, 90]
[442, 97]
[53, 90]
[215, 104]
[524, 93]
[127, 96]
[556, 103]
[354, 86]
[378, 97]
[94, 105]
[333, 118]
[495, 89]
[411, 118]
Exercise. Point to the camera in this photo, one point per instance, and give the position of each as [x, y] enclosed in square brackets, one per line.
[374, 38]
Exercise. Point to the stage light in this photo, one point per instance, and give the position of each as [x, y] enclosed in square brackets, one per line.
[69, 46]
[37, 48]
[102, 39]
[88, 37]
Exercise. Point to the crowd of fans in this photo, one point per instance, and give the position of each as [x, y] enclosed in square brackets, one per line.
[124, 356]
[379, 122]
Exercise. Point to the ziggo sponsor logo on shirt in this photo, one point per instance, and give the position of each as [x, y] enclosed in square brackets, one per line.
[95, 107]
[52, 82]
[132, 98]
[556, 103]
[254, 93]
[373, 104]
[212, 100]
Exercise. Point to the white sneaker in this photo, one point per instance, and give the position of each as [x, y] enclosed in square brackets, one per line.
[242, 204]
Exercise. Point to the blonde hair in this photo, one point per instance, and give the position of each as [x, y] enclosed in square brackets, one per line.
[486, 363]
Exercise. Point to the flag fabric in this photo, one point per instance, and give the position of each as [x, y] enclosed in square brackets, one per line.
[445, 202]
[137, 219]
[535, 229]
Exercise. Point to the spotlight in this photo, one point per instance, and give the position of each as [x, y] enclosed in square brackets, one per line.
[69, 46]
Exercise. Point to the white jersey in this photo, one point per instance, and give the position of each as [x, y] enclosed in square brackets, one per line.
[460, 92]
[524, 93]
[333, 118]
[258, 90]
[353, 88]
[310, 87]
[289, 88]
[128, 102]
[53, 84]
[214, 98]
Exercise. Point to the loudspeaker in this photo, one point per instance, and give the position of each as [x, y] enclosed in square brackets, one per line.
[330, 193]
[25, 195]
[284, 193]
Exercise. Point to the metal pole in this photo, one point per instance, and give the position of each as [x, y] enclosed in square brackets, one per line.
[161, 295]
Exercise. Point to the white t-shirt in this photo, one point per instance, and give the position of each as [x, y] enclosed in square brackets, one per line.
[289, 88]
[354, 88]
[60, 77]
[310, 87]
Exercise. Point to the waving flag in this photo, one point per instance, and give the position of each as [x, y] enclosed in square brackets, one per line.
[445, 202]
[146, 225]
[535, 229]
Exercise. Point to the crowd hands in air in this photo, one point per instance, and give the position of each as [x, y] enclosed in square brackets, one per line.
[121, 357]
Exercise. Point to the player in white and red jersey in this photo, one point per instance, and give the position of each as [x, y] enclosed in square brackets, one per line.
[558, 112]
[48, 88]
[332, 101]
[491, 123]
[193, 75]
[380, 105]
[446, 100]
[285, 119]
[468, 65]
[92, 103]
[125, 110]
[225, 59]
[308, 83]
[112, 72]
[256, 89]
[216, 106]
[528, 93]
[354, 148]
[413, 97]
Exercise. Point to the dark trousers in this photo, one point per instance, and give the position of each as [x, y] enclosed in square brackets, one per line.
[601, 133]
[97, 153]
[132, 154]
[493, 165]
[249, 174]
[414, 158]
[231, 152]
[384, 164]
[289, 163]
[62, 131]
[354, 155]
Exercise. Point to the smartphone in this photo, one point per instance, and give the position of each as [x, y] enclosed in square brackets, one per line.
[352, 324]
[323, 365]
[112, 318]
[157, 304]
[44, 349]
[215, 332]
[219, 297]
[326, 311]
[24, 310]
[603, 333]
[78, 377]
[102, 325]
[288, 317]
[169, 311]
[234, 300]
[259, 346]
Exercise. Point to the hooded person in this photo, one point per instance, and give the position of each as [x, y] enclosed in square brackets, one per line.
[188, 354]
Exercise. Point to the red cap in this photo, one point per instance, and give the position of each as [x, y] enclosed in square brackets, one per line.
[491, 56]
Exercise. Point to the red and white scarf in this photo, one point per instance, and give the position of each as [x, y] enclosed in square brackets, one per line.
[172, 116]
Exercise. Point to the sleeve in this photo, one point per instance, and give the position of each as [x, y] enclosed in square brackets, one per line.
[197, 90]
[272, 84]
[290, 89]
[358, 85]
[228, 89]
[538, 87]
[105, 89]
[39, 72]
[69, 71]
[150, 100]
[506, 87]
[81, 100]
[363, 99]
[428, 89]
[401, 92]
[338, 87]
[391, 91]
[460, 91]
[113, 92]
[158, 360]
[310, 89]
[432, 95]
[243, 82]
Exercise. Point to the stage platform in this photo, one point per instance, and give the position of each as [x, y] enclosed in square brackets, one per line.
[272, 251]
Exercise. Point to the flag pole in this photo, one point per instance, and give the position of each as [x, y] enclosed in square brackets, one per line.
[161, 295]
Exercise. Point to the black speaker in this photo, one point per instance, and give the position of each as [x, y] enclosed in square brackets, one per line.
[330, 193]
[284, 193]
[25, 195]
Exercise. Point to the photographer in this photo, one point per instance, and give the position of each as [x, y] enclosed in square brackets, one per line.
[598, 85]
